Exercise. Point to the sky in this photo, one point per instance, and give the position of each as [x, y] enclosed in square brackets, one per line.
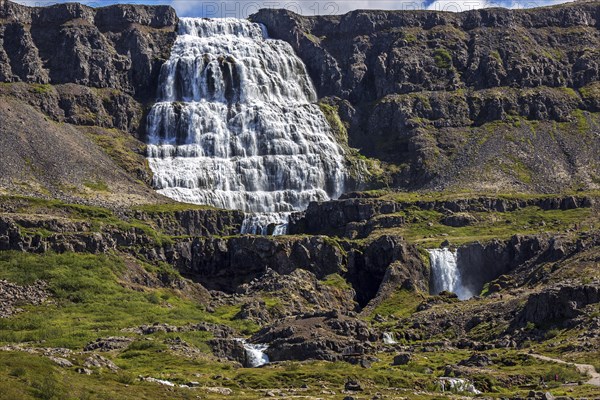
[243, 8]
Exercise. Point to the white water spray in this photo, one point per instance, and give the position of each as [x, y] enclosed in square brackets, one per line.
[388, 338]
[236, 125]
[255, 354]
[446, 273]
[457, 385]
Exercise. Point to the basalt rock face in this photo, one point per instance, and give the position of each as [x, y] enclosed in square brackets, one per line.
[483, 263]
[354, 217]
[120, 47]
[558, 304]
[447, 93]
[230, 264]
[319, 337]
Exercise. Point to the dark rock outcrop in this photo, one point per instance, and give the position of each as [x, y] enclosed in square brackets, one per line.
[555, 305]
[120, 47]
[444, 95]
[236, 264]
[356, 217]
[328, 337]
[12, 296]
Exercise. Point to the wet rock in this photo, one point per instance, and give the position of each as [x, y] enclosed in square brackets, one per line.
[230, 349]
[396, 87]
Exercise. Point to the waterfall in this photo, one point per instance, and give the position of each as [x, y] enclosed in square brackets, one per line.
[445, 273]
[236, 125]
[457, 385]
[255, 354]
[388, 338]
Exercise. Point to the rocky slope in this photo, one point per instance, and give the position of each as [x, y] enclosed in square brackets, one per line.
[74, 84]
[485, 99]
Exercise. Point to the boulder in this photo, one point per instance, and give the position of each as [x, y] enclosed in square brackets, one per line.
[402, 359]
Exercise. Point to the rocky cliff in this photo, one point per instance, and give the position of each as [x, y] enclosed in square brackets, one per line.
[75, 82]
[120, 47]
[490, 98]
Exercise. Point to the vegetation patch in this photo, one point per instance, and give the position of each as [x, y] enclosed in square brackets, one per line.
[442, 58]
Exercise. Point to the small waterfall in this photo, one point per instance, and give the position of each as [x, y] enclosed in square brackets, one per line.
[446, 273]
[266, 224]
[255, 354]
[388, 338]
[236, 125]
[457, 385]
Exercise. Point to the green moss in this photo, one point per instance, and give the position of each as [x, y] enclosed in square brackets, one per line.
[98, 186]
[583, 124]
[89, 301]
[520, 170]
[442, 58]
[331, 113]
[409, 37]
[312, 38]
[336, 281]
[401, 303]
[39, 88]
[496, 55]
[591, 92]
[126, 151]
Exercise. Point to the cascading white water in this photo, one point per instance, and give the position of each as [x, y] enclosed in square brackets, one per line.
[457, 385]
[446, 273]
[255, 354]
[236, 125]
[388, 338]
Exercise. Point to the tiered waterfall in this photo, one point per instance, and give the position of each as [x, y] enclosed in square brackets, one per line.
[236, 125]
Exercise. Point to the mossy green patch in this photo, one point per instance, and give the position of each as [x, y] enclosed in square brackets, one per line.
[97, 186]
[442, 58]
[401, 303]
[88, 301]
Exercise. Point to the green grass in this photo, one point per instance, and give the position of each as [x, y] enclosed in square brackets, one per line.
[40, 88]
[99, 217]
[332, 115]
[425, 227]
[402, 303]
[336, 281]
[442, 58]
[98, 186]
[89, 301]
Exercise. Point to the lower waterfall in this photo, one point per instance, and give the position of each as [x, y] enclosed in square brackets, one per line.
[255, 354]
[236, 126]
[445, 273]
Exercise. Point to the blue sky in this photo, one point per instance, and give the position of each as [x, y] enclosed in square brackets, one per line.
[242, 8]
